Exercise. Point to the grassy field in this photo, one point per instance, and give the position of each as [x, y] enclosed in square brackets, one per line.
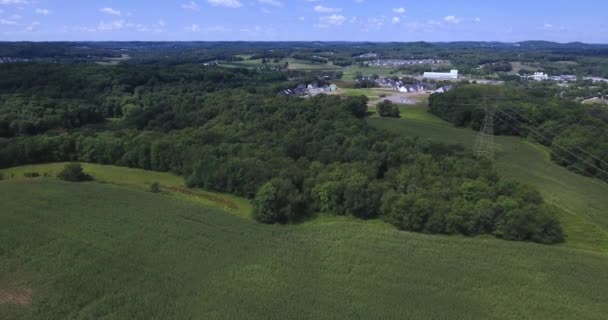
[114, 61]
[141, 179]
[349, 72]
[92, 251]
[294, 64]
[582, 201]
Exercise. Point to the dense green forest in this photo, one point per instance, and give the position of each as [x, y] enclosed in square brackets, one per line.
[576, 134]
[227, 130]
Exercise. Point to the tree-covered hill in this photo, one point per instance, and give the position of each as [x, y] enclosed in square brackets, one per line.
[228, 131]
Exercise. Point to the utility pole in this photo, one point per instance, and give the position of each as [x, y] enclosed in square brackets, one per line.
[484, 144]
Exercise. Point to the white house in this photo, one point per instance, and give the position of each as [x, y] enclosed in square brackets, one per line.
[539, 76]
[453, 74]
[402, 89]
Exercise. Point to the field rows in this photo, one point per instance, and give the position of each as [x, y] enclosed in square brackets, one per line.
[116, 252]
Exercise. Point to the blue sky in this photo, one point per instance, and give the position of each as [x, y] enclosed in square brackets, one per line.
[285, 20]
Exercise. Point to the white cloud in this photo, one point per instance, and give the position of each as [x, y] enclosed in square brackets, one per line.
[194, 28]
[14, 2]
[452, 19]
[110, 26]
[271, 2]
[396, 19]
[6, 22]
[217, 29]
[15, 17]
[399, 10]
[32, 26]
[301, 18]
[266, 11]
[477, 19]
[214, 29]
[162, 23]
[551, 27]
[225, 3]
[110, 11]
[44, 12]
[332, 20]
[191, 6]
[323, 9]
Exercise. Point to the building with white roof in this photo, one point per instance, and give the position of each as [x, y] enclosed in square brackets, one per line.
[453, 74]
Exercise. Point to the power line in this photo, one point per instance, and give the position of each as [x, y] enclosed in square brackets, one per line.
[553, 143]
[553, 134]
[544, 137]
[484, 143]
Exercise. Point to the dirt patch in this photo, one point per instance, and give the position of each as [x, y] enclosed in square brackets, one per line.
[223, 202]
[20, 297]
[400, 99]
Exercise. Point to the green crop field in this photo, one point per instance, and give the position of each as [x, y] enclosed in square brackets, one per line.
[582, 201]
[92, 251]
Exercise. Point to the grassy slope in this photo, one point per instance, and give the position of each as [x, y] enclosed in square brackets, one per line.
[582, 201]
[141, 179]
[102, 251]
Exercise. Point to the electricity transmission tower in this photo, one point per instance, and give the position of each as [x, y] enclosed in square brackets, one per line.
[484, 144]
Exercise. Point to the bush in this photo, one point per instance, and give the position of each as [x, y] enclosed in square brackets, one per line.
[155, 187]
[31, 174]
[73, 172]
[386, 108]
[1, 176]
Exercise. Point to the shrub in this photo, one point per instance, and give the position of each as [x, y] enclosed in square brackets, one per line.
[155, 187]
[1, 176]
[73, 172]
[386, 108]
[31, 174]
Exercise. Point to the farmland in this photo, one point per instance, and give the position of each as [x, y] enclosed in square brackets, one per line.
[105, 251]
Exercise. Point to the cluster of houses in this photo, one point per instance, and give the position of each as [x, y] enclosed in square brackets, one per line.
[370, 55]
[391, 63]
[399, 85]
[310, 89]
[13, 60]
[541, 76]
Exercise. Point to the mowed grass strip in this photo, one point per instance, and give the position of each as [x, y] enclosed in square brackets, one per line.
[142, 179]
[582, 201]
[114, 252]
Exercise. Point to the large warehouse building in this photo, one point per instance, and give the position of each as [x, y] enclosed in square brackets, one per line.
[453, 74]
